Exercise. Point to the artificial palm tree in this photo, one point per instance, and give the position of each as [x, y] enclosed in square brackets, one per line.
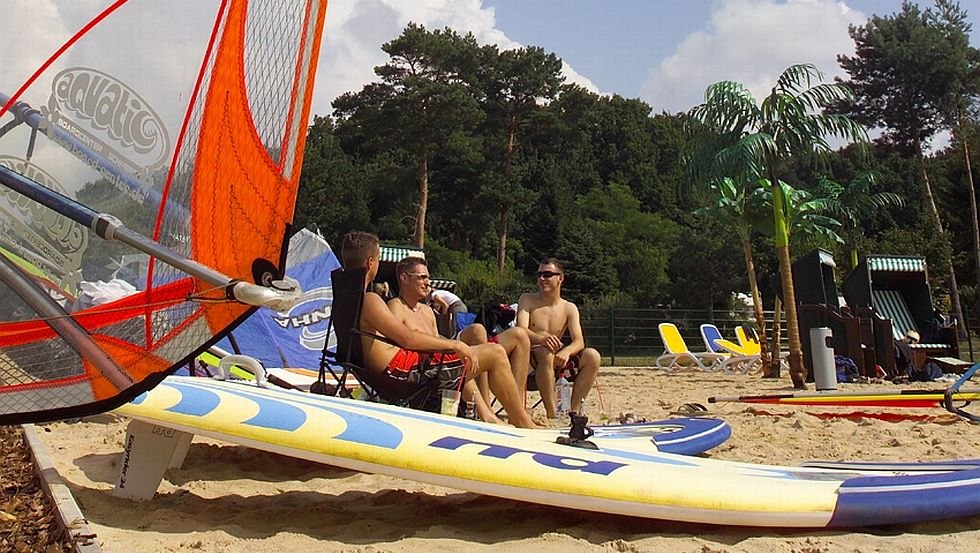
[789, 121]
[849, 202]
[731, 209]
[806, 222]
[808, 213]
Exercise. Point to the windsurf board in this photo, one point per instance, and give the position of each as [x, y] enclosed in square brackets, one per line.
[506, 462]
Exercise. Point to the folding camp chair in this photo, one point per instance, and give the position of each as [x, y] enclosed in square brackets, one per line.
[678, 356]
[348, 298]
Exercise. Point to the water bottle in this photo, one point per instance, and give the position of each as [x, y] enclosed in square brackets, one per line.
[563, 396]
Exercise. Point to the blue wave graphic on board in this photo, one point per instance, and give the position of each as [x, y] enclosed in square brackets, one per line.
[283, 414]
[195, 402]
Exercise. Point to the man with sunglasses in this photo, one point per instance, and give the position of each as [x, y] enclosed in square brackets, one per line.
[414, 286]
[547, 317]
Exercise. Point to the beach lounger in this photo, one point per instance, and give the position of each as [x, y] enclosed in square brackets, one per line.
[749, 343]
[737, 358]
[678, 356]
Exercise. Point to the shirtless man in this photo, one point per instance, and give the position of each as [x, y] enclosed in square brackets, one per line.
[396, 364]
[546, 316]
[413, 287]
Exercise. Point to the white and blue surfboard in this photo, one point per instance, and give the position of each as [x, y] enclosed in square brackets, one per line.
[627, 475]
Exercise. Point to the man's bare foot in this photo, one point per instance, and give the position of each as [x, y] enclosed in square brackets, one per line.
[489, 416]
[523, 420]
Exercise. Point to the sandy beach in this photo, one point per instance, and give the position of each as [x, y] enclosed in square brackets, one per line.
[230, 498]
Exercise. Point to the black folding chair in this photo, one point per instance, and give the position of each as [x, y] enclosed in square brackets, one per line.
[345, 312]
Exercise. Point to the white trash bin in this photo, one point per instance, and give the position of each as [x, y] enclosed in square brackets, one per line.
[822, 351]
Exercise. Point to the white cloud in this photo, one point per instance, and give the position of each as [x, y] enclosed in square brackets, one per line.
[356, 29]
[752, 42]
[350, 49]
[17, 60]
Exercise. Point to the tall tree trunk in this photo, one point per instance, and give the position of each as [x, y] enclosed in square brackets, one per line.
[423, 177]
[973, 193]
[796, 371]
[953, 288]
[777, 335]
[504, 214]
[502, 238]
[760, 318]
[973, 213]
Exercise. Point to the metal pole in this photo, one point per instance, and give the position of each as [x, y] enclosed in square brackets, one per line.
[612, 336]
[969, 337]
[108, 227]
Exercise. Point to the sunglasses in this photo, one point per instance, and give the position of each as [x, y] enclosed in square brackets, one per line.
[547, 274]
[418, 276]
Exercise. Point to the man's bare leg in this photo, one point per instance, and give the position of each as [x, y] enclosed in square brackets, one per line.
[493, 361]
[483, 411]
[517, 344]
[589, 361]
[544, 375]
[474, 335]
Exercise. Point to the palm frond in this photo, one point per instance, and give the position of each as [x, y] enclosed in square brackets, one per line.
[824, 95]
[798, 77]
[841, 126]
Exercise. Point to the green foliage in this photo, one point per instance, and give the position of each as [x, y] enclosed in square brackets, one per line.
[706, 267]
[492, 145]
[332, 192]
[805, 211]
[481, 282]
[746, 138]
[851, 202]
[921, 239]
[905, 69]
[477, 280]
[423, 105]
[636, 243]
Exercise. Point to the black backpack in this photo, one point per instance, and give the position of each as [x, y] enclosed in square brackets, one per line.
[496, 317]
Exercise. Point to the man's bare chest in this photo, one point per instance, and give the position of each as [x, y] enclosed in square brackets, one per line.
[421, 320]
[548, 319]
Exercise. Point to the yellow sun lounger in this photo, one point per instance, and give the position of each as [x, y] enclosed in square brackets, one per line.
[737, 358]
[678, 356]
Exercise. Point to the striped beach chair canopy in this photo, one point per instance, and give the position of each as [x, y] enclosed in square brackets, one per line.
[891, 304]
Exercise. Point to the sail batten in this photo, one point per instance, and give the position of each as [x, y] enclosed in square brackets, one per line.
[175, 131]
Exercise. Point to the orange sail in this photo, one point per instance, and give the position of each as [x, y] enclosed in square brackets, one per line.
[173, 129]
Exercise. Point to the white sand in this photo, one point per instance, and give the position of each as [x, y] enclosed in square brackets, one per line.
[230, 498]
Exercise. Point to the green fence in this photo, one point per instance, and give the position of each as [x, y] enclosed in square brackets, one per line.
[629, 337]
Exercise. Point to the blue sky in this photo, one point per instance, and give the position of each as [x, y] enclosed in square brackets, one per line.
[616, 43]
[612, 42]
[665, 52]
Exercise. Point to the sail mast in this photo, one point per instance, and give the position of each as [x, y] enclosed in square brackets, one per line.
[25, 113]
[110, 228]
[59, 321]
